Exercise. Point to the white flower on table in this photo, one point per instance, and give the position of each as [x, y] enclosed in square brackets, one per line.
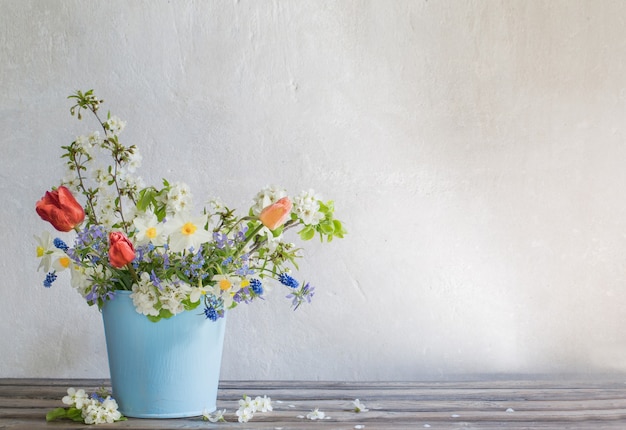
[358, 406]
[263, 404]
[316, 414]
[217, 416]
[76, 397]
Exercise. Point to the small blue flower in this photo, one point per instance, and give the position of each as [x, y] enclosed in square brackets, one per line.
[50, 278]
[256, 286]
[60, 244]
[211, 313]
[298, 297]
[287, 280]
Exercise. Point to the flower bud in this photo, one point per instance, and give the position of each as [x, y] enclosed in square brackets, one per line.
[60, 208]
[275, 215]
[121, 250]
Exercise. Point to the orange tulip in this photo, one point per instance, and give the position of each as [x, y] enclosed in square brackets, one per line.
[121, 250]
[275, 215]
[60, 208]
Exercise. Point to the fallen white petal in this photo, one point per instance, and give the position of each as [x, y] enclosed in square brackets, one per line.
[510, 410]
[359, 426]
[455, 416]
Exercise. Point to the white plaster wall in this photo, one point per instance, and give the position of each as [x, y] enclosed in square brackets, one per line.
[475, 150]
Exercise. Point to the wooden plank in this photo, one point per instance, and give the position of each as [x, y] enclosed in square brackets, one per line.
[542, 404]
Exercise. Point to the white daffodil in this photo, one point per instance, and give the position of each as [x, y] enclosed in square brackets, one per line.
[187, 232]
[149, 230]
[225, 288]
[197, 292]
[45, 248]
[60, 260]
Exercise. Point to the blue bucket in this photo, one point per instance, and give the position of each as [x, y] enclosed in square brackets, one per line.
[167, 369]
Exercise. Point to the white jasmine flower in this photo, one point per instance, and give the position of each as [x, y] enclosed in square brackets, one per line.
[78, 398]
[71, 181]
[247, 403]
[111, 413]
[134, 161]
[244, 415]
[107, 210]
[84, 144]
[216, 206]
[115, 125]
[173, 295]
[179, 198]
[263, 404]
[81, 278]
[358, 406]
[217, 416]
[144, 296]
[316, 414]
[306, 206]
[186, 232]
[102, 177]
[130, 182]
[266, 197]
[101, 413]
[95, 139]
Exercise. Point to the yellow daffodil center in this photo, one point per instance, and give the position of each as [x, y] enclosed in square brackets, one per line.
[65, 262]
[188, 229]
[151, 233]
[40, 251]
[224, 284]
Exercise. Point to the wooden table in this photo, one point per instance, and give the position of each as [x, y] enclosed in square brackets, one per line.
[486, 403]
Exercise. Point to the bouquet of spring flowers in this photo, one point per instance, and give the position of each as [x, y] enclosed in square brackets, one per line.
[147, 239]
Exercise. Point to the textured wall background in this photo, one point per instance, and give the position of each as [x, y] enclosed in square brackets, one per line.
[475, 151]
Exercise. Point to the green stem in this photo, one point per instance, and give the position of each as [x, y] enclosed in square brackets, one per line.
[248, 239]
[133, 273]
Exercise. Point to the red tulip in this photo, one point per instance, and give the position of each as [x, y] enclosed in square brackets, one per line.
[275, 215]
[60, 208]
[121, 250]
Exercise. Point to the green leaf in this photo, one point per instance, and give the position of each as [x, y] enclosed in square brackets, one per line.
[339, 230]
[71, 413]
[56, 414]
[327, 228]
[146, 197]
[307, 233]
